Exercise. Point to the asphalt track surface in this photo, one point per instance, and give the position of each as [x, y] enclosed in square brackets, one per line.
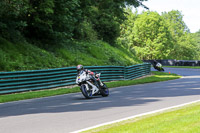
[72, 112]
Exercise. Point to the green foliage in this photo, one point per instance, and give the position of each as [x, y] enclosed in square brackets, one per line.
[185, 47]
[96, 53]
[175, 22]
[148, 34]
[67, 14]
[52, 20]
[154, 36]
[39, 22]
[151, 36]
[85, 31]
[11, 22]
[126, 38]
[55, 33]
[60, 20]
[104, 17]
[24, 56]
[196, 36]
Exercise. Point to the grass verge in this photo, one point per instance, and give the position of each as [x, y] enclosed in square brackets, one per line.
[156, 77]
[194, 67]
[184, 119]
[26, 56]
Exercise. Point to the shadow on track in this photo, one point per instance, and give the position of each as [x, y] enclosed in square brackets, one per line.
[119, 97]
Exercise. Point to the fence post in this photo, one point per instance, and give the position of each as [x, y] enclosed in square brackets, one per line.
[124, 72]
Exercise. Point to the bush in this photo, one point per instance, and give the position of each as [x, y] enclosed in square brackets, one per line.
[25, 56]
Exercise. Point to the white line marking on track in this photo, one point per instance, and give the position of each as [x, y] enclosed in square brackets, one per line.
[139, 115]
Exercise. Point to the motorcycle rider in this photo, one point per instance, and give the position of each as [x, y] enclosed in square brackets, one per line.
[157, 65]
[95, 78]
[155, 62]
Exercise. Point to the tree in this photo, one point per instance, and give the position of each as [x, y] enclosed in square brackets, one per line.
[67, 14]
[152, 38]
[175, 21]
[126, 38]
[105, 16]
[196, 36]
[38, 18]
[55, 20]
[11, 14]
[184, 43]
[186, 48]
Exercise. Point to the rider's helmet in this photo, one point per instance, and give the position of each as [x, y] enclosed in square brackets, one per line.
[155, 62]
[79, 68]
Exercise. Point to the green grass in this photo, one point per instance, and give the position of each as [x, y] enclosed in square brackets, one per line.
[25, 56]
[37, 94]
[194, 67]
[157, 77]
[181, 120]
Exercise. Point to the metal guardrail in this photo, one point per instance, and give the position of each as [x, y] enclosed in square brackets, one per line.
[176, 62]
[20, 81]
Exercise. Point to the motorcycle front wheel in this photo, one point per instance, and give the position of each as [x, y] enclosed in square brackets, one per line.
[104, 90]
[161, 69]
[86, 93]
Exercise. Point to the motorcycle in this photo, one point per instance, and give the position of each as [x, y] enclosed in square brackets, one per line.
[89, 87]
[158, 67]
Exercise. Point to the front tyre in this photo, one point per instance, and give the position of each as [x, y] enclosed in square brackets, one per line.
[161, 69]
[87, 93]
[104, 90]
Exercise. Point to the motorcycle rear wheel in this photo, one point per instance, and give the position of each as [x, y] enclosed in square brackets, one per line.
[104, 90]
[86, 93]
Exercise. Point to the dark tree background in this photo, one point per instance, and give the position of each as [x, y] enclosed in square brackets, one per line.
[57, 20]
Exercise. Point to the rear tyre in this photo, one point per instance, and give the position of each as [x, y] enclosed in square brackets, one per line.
[104, 90]
[86, 93]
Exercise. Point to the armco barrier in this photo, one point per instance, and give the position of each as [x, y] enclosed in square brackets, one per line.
[176, 62]
[20, 81]
[136, 71]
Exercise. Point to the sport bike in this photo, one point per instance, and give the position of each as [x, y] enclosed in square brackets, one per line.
[158, 67]
[90, 87]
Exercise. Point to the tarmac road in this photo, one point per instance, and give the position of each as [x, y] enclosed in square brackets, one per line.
[72, 112]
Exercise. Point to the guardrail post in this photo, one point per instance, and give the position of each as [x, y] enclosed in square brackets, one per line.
[125, 70]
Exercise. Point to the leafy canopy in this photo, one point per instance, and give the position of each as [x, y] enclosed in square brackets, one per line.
[58, 20]
[153, 36]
